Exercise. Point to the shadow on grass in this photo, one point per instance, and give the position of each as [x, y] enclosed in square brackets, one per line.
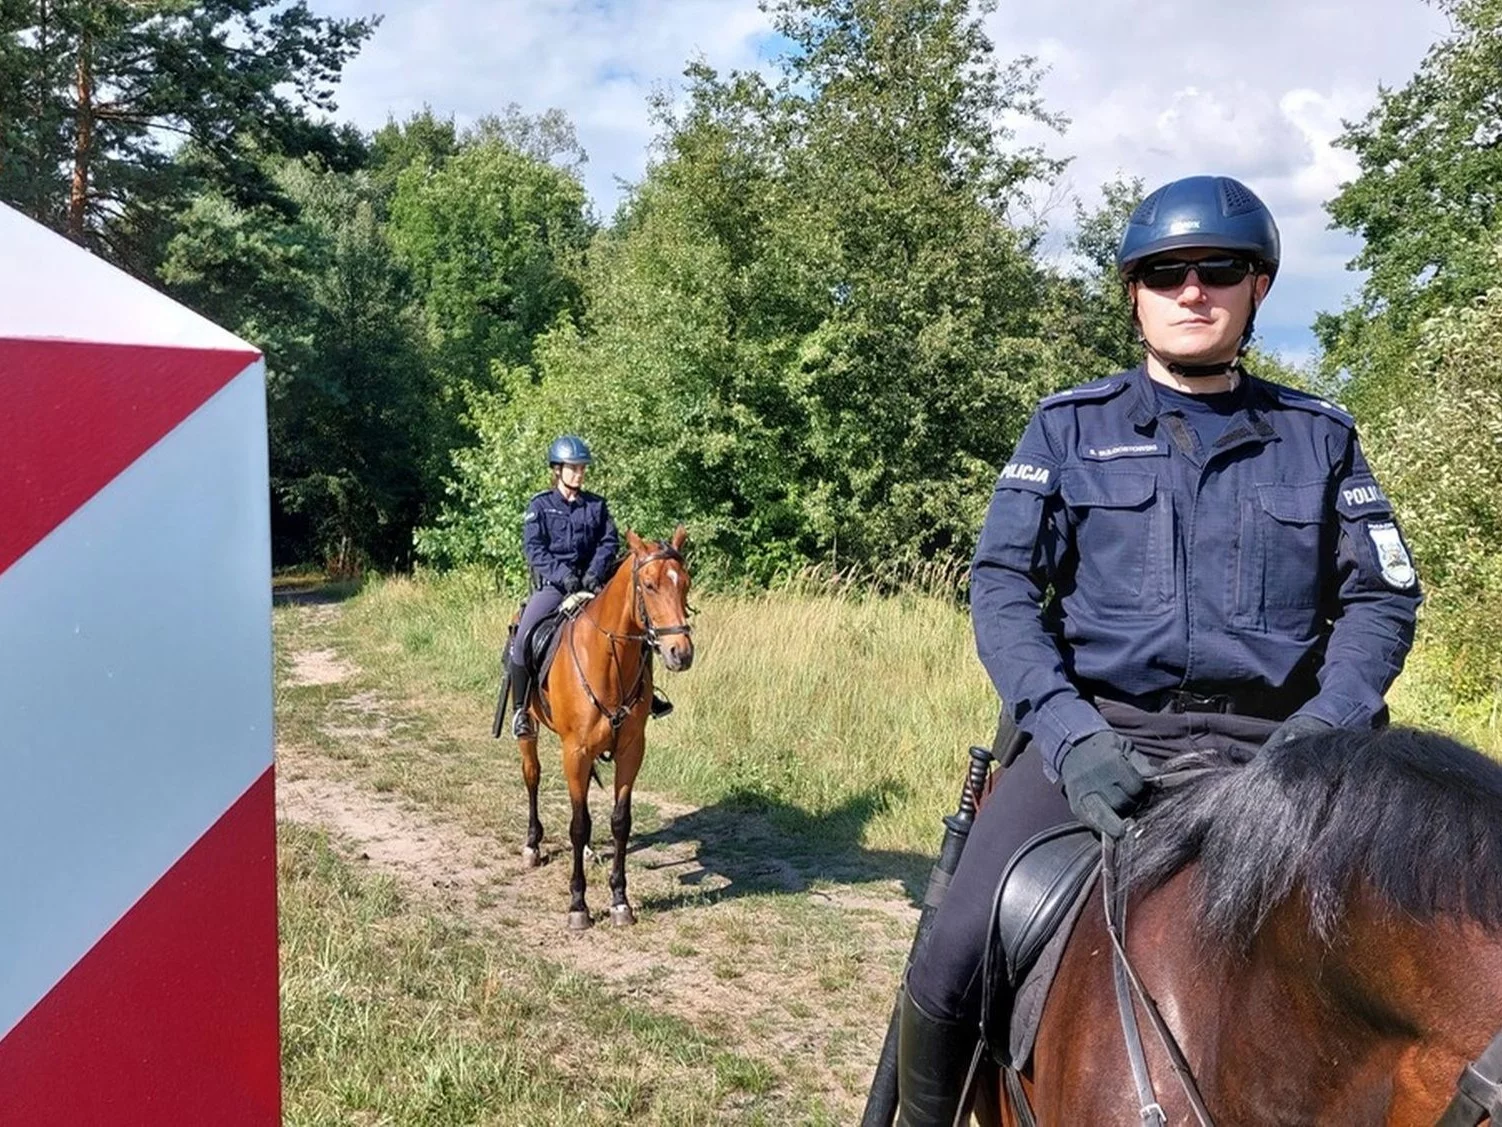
[759, 844]
[313, 591]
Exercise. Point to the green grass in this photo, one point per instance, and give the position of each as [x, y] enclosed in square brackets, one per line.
[844, 717]
[817, 741]
[391, 1015]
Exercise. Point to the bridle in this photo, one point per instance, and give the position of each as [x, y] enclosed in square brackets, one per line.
[650, 637]
[653, 635]
[1478, 1091]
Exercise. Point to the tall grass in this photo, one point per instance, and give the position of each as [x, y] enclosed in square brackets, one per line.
[817, 699]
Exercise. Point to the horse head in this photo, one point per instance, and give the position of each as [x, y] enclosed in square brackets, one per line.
[660, 581]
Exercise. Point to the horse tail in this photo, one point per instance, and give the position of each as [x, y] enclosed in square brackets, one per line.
[594, 773]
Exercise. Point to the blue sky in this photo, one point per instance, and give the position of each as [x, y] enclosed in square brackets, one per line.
[1153, 88]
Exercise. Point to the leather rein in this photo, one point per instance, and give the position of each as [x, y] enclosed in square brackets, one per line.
[650, 638]
[1478, 1094]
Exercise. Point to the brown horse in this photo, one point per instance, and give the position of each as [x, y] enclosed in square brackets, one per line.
[1321, 931]
[597, 695]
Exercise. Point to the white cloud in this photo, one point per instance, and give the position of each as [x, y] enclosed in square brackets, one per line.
[1153, 89]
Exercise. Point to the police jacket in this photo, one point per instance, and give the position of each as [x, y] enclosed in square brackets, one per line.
[1119, 559]
[566, 540]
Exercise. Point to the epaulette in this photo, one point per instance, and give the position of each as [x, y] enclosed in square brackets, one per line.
[538, 495]
[1088, 392]
[1293, 397]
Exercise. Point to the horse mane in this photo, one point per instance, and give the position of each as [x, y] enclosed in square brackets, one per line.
[1413, 816]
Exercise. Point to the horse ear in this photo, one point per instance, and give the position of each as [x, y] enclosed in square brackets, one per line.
[680, 534]
[635, 541]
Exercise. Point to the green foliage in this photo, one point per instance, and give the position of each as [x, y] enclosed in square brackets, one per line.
[488, 236]
[90, 90]
[814, 331]
[348, 387]
[1427, 192]
[1439, 455]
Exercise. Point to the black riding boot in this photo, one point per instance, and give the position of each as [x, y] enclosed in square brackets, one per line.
[521, 691]
[933, 1063]
[661, 706]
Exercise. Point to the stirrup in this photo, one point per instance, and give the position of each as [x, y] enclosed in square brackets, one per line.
[661, 707]
[521, 725]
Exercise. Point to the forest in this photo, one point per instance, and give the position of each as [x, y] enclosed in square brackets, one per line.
[811, 331]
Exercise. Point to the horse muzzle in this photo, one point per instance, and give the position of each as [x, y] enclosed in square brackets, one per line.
[677, 653]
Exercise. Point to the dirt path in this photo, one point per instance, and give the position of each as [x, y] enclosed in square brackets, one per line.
[733, 939]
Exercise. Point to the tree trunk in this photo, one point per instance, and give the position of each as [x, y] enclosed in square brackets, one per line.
[83, 144]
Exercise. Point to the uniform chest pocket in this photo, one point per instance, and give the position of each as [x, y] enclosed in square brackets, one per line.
[1283, 557]
[560, 530]
[1122, 524]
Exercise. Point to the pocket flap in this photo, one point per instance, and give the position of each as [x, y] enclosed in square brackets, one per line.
[1118, 490]
[1294, 504]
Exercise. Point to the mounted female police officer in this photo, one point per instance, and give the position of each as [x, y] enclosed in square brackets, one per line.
[570, 542]
[1177, 557]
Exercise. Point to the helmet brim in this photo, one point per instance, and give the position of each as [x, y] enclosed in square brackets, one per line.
[1196, 240]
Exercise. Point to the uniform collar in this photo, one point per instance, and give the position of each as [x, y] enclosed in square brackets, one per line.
[1146, 405]
[1249, 423]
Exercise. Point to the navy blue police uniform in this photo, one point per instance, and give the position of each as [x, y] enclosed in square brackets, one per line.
[569, 545]
[1132, 577]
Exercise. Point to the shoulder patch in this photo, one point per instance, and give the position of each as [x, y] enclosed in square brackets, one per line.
[1097, 390]
[1303, 400]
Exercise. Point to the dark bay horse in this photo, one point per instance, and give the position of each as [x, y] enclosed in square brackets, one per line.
[1321, 931]
[597, 695]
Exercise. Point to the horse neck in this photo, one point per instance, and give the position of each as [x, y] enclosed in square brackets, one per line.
[615, 609]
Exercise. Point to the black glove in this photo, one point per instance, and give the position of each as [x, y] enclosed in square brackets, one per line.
[1296, 727]
[569, 584]
[1105, 780]
[592, 584]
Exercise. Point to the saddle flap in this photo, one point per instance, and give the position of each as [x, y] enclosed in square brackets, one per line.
[1038, 888]
[1040, 896]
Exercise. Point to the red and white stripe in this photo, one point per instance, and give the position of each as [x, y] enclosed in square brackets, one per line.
[137, 826]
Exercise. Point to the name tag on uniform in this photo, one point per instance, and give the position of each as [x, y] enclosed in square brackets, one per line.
[1109, 451]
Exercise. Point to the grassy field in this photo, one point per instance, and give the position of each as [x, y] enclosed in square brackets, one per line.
[785, 822]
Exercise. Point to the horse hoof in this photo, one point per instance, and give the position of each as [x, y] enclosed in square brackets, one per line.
[580, 921]
[621, 915]
[531, 857]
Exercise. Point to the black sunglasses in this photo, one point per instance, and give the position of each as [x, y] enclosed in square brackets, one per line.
[1169, 273]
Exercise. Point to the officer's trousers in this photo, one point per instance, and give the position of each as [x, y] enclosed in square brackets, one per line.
[945, 981]
[544, 601]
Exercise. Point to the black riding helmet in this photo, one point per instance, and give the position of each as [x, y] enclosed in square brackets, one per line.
[1202, 213]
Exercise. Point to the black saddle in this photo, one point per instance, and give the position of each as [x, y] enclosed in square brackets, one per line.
[542, 647]
[1037, 902]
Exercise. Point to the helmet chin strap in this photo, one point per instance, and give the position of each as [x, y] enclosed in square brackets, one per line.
[1200, 371]
[1197, 371]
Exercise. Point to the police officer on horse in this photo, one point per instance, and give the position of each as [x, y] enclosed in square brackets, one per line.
[1179, 557]
[570, 541]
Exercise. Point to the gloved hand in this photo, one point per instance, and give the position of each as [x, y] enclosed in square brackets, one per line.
[575, 601]
[1296, 727]
[592, 583]
[569, 584]
[1105, 780]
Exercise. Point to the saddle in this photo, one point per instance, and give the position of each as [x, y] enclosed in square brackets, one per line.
[1041, 893]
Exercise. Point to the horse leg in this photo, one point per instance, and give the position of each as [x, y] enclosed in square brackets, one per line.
[627, 762]
[577, 766]
[531, 774]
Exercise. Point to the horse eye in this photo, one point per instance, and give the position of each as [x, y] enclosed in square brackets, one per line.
[650, 586]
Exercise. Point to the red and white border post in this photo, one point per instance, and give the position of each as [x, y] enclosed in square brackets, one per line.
[138, 957]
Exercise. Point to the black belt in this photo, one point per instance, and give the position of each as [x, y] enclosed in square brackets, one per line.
[1263, 703]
